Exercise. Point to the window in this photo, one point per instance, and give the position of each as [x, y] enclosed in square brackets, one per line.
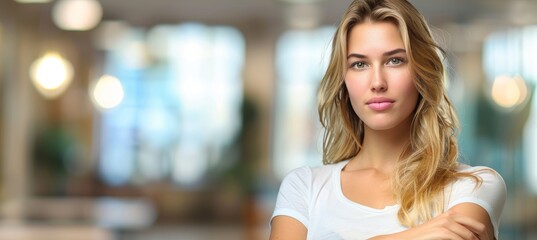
[509, 63]
[183, 93]
[301, 59]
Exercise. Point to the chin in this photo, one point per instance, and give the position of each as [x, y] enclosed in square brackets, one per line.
[374, 128]
[380, 127]
[383, 126]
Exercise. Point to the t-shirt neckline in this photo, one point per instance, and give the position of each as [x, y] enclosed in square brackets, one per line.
[339, 192]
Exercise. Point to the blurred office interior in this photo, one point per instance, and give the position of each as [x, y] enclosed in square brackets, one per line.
[177, 119]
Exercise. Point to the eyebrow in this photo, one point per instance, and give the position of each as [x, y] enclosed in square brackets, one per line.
[389, 53]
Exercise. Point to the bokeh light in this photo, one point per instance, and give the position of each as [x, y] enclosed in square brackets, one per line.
[77, 15]
[51, 74]
[107, 92]
[509, 92]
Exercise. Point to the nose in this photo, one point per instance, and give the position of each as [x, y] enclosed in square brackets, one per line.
[378, 83]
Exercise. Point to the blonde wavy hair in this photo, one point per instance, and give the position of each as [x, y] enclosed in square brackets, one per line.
[428, 163]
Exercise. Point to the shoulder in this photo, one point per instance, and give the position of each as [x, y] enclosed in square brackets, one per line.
[297, 189]
[489, 191]
[298, 173]
[313, 173]
[488, 178]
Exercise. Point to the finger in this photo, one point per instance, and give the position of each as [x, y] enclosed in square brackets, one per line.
[470, 223]
[461, 231]
[452, 221]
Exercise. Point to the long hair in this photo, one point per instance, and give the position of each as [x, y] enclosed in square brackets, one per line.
[428, 163]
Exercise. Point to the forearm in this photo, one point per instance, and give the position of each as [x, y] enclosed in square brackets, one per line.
[394, 236]
[449, 225]
[383, 237]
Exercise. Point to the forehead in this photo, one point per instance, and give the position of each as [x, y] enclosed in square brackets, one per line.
[370, 36]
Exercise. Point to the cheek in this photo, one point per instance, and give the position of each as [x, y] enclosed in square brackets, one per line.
[410, 90]
[405, 82]
[411, 93]
[354, 85]
[355, 90]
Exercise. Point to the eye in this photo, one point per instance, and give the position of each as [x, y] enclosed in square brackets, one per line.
[358, 65]
[396, 61]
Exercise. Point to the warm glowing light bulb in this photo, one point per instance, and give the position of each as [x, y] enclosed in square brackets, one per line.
[51, 74]
[77, 15]
[107, 92]
[509, 92]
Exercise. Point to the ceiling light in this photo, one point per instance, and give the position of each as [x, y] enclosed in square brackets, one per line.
[77, 15]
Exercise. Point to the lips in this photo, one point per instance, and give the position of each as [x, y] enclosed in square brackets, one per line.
[380, 103]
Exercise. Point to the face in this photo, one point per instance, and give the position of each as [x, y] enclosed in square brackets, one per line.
[379, 77]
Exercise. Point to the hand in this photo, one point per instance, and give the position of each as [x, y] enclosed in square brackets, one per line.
[449, 225]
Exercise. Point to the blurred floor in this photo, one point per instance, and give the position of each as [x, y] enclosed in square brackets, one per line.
[198, 232]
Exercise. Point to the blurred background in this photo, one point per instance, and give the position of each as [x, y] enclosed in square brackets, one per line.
[177, 119]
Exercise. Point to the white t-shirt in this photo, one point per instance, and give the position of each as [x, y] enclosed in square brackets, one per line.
[314, 197]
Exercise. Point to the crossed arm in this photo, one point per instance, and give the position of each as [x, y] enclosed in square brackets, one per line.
[465, 221]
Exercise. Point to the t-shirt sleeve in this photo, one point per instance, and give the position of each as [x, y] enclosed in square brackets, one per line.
[293, 197]
[490, 195]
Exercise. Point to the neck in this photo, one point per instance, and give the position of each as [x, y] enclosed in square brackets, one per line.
[381, 149]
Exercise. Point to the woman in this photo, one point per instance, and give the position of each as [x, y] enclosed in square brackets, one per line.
[390, 149]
